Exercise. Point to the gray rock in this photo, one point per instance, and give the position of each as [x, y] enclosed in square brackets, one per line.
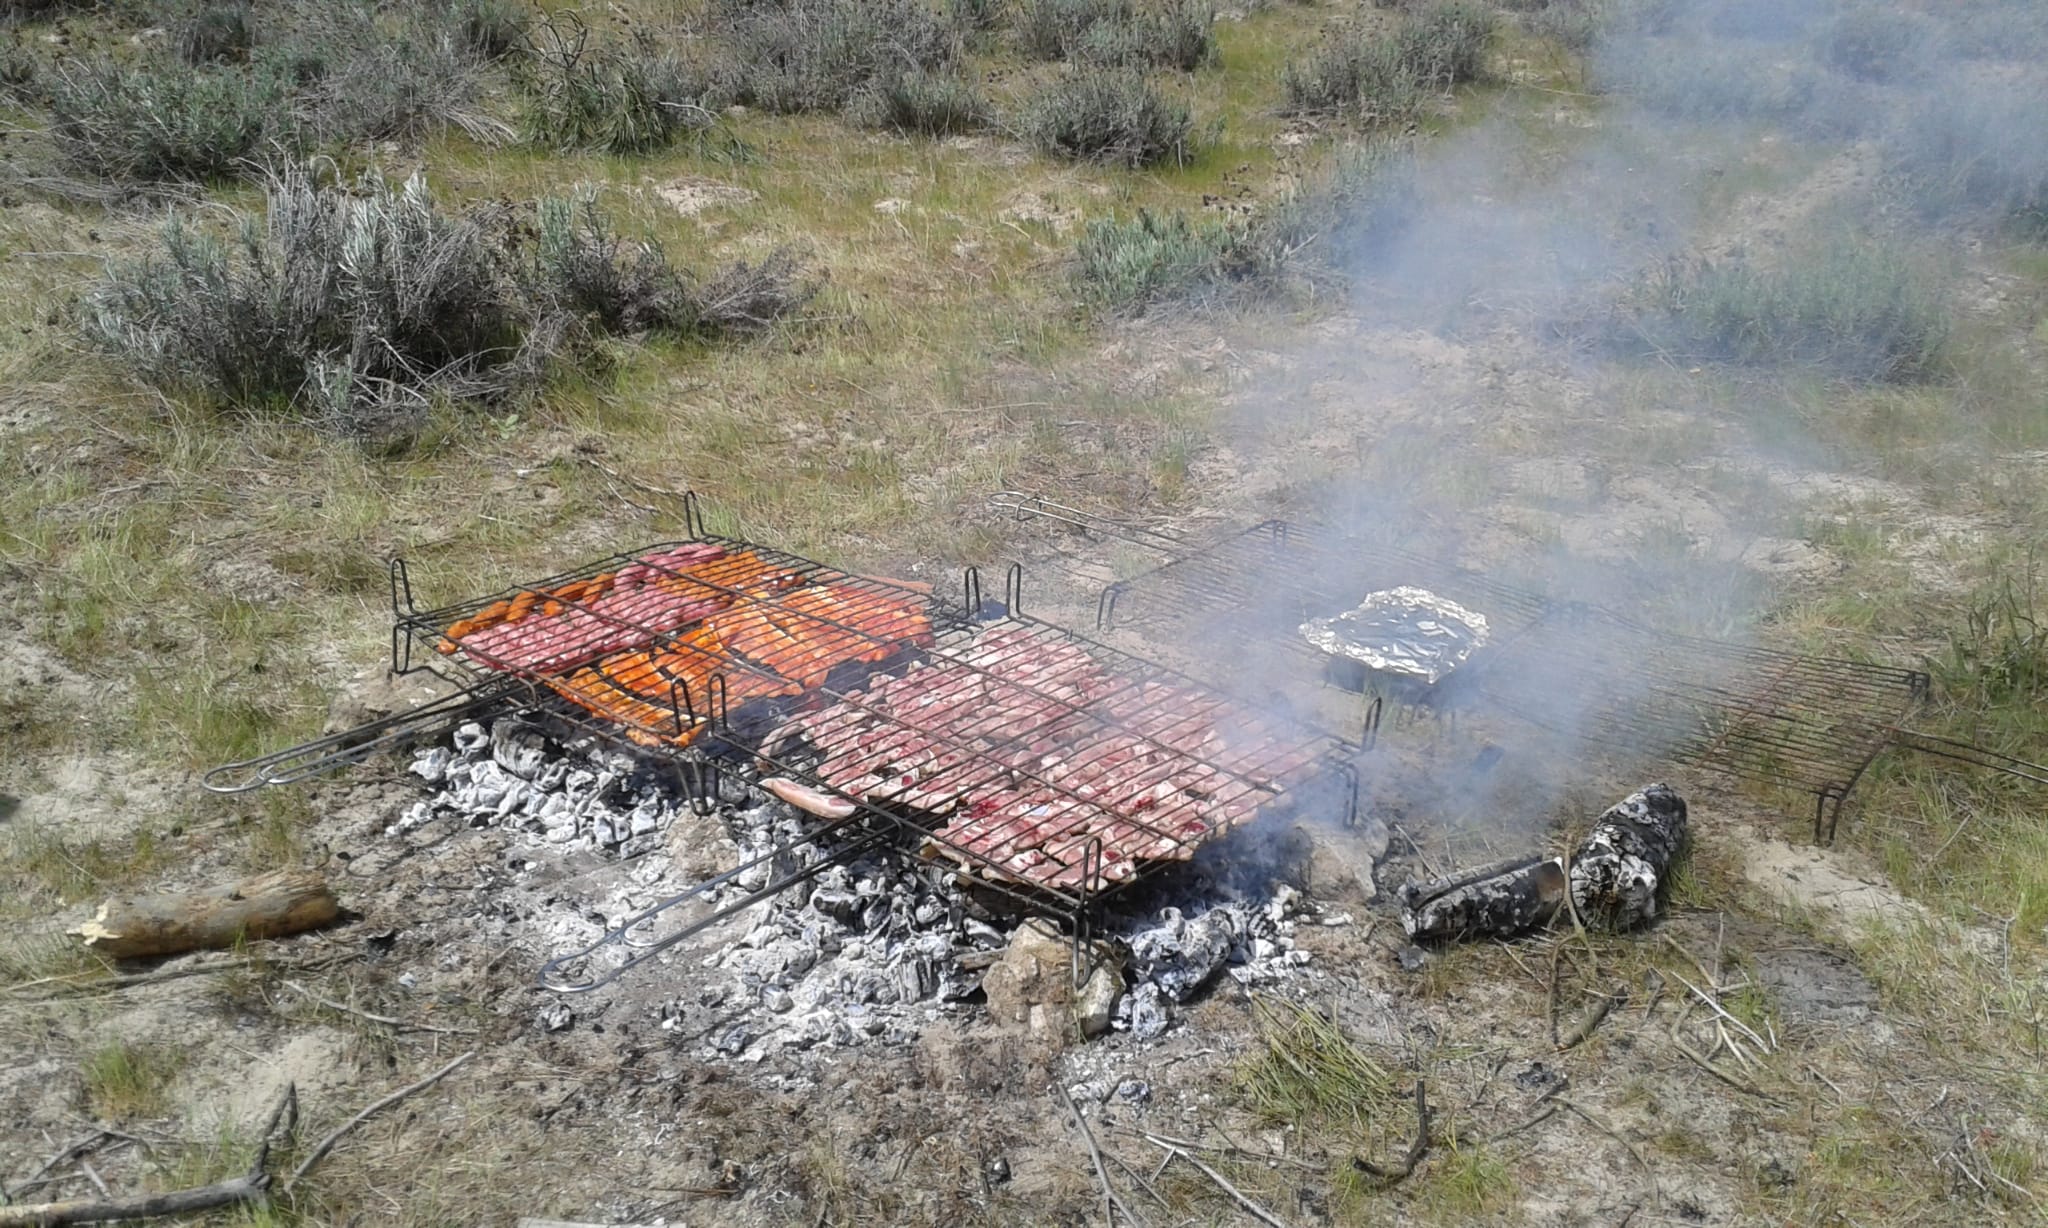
[1134, 1091]
[1096, 1004]
[777, 1000]
[735, 1039]
[555, 1017]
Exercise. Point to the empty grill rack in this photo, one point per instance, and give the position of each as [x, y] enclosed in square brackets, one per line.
[1806, 723]
[1265, 581]
[1802, 722]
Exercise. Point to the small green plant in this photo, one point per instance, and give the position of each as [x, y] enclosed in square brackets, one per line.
[125, 1081]
[1108, 115]
[1124, 263]
[2000, 654]
[1308, 1070]
[161, 119]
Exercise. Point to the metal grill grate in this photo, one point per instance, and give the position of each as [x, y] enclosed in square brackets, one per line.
[1801, 722]
[1046, 764]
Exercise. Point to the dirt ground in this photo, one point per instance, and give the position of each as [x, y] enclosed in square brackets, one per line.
[1794, 1091]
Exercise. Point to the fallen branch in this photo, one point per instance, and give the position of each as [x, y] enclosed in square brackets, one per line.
[248, 1187]
[1222, 1183]
[327, 1144]
[1111, 1202]
[1416, 1149]
[1589, 1019]
[267, 906]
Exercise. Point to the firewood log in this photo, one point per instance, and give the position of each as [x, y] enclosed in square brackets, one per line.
[267, 906]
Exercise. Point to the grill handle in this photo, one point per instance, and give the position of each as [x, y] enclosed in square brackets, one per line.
[1970, 753]
[552, 979]
[308, 759]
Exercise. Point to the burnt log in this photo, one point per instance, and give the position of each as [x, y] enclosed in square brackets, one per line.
[1501, 899]
[1622, 870]
[1615, 879]
[267, 906]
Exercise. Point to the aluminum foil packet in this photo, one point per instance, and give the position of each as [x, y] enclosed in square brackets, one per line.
[1404, 630]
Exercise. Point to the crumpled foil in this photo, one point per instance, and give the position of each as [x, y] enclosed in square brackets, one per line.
[1404, 630]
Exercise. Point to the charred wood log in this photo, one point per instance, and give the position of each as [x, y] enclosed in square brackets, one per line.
[1615, 879]
[1501, 899]
[266, 906]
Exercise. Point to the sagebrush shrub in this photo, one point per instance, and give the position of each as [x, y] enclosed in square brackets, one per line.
[491, 29]
[1877, 44]
[418, 82]
[1055, 29]
[358, 305]
[1108, 115]
[1852, 306]
[1359, 75]
[373, 288]
[929, 104]
[631, 97]
[216, 33]
[161, 119]
[1978, 152]
[1444, 43]
[819, 55]
[585, 269]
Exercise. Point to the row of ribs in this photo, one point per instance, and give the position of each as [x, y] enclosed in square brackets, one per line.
[1044, 766]
[641, 646]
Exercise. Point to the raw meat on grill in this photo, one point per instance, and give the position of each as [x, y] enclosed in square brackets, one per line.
[1045, 764]
[549, 631]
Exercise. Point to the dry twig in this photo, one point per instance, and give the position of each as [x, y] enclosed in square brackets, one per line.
[1416, 1149]
[387, 1020]
[1222, 1183]
[1111, 1202]
[327, 1144]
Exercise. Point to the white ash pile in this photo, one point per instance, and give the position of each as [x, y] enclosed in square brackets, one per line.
[514, 775]
[867, 951]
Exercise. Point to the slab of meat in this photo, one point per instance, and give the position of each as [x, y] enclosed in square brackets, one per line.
[1048, 767]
